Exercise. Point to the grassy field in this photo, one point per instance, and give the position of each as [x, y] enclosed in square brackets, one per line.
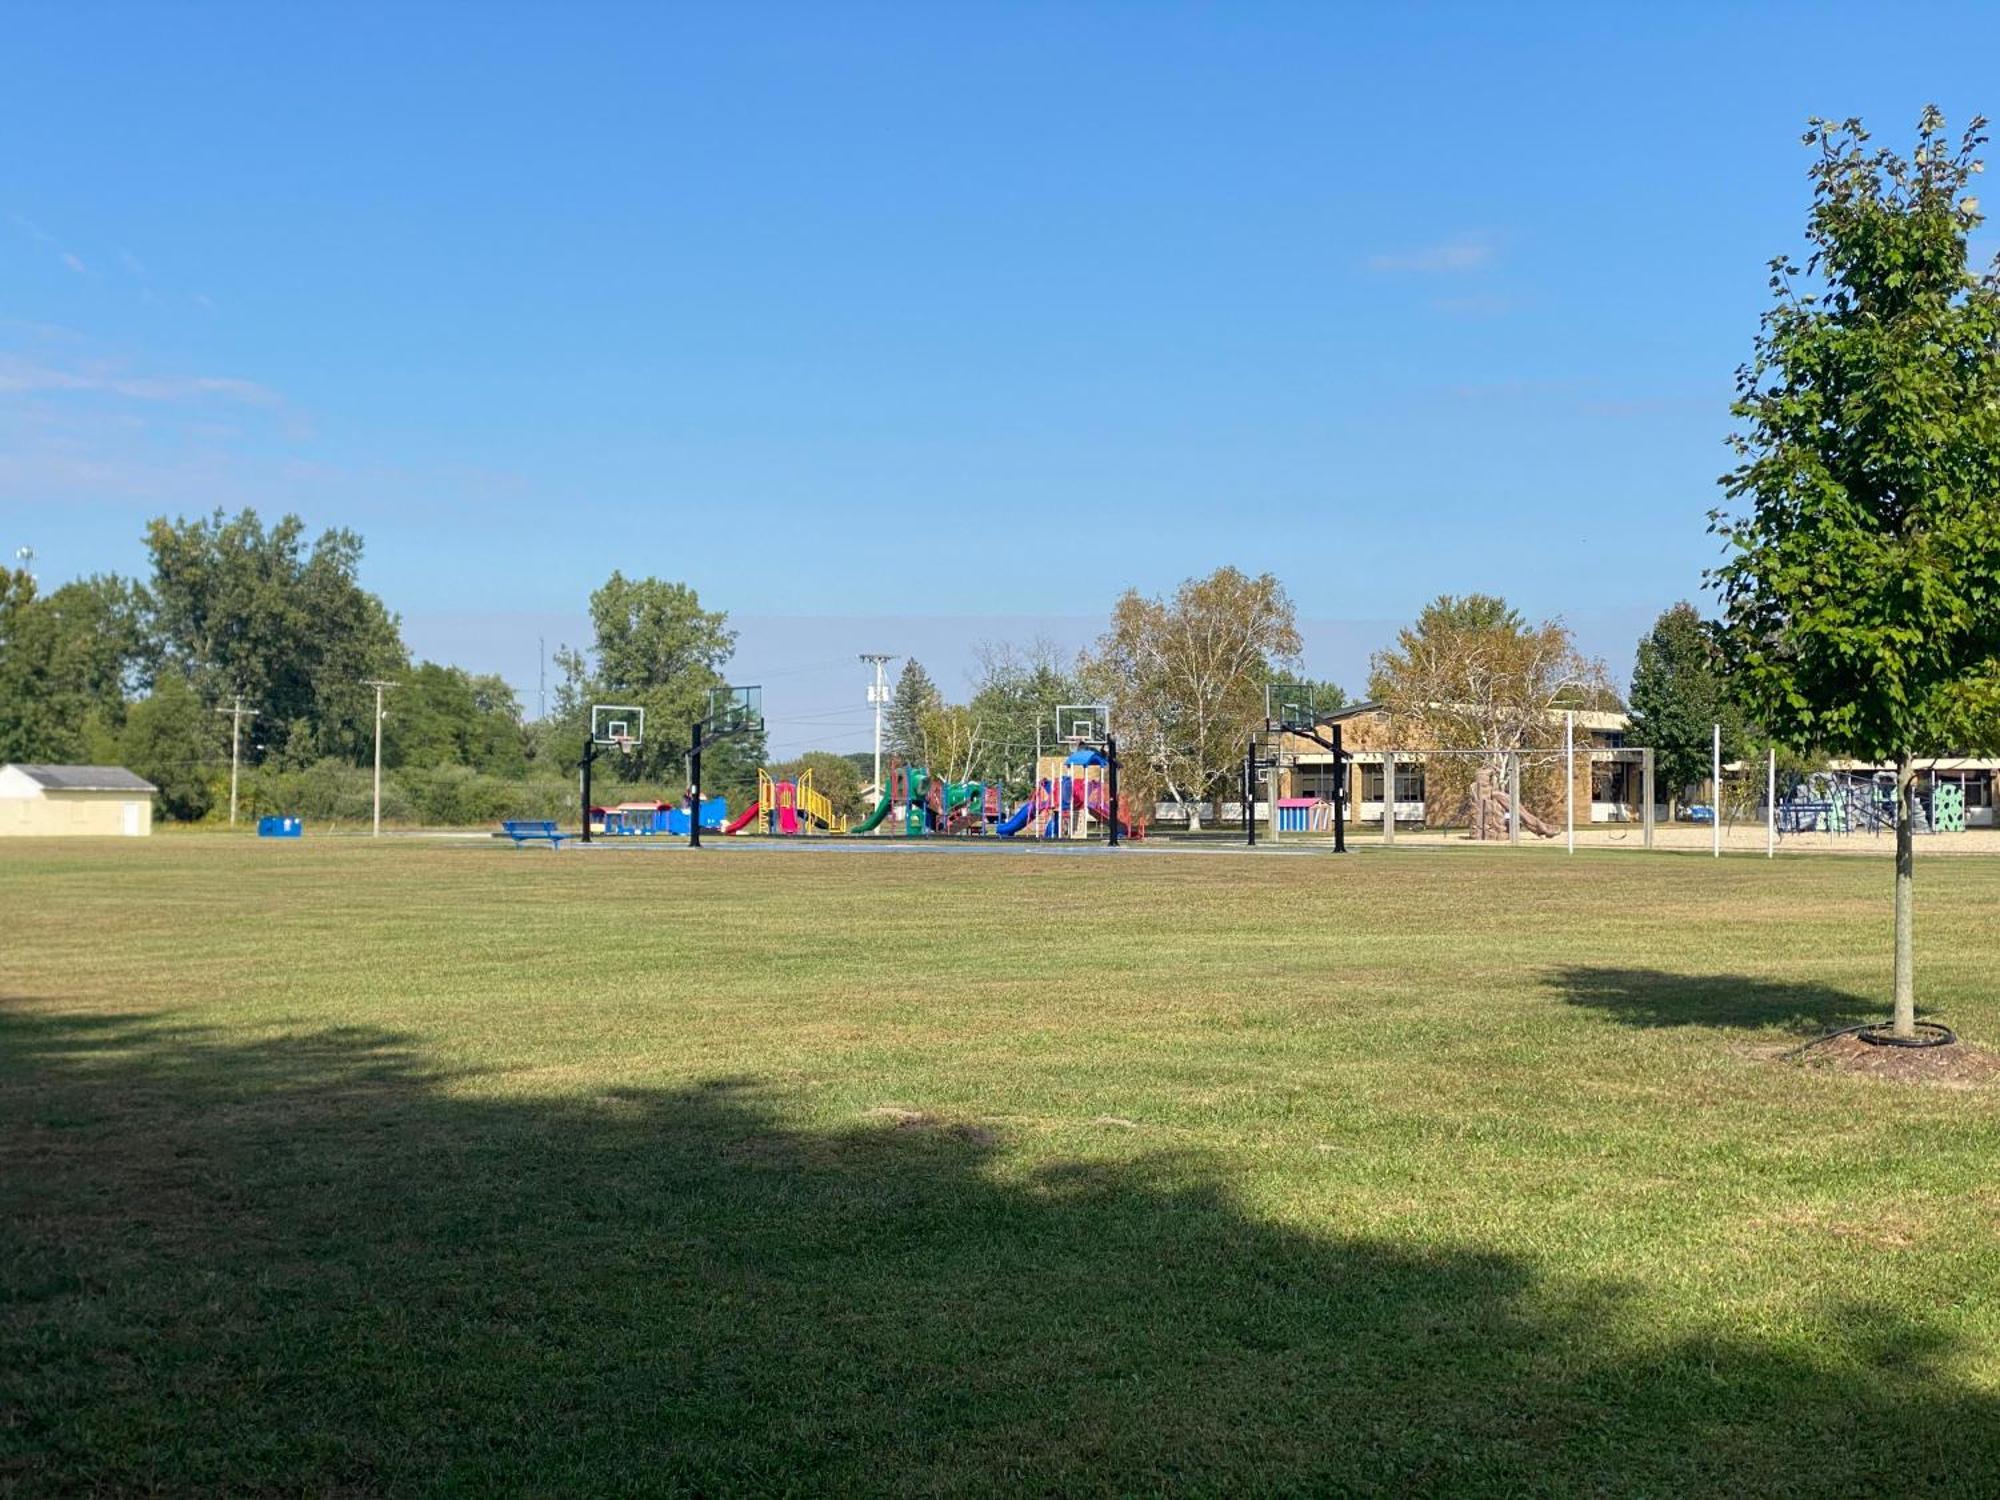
[351, 1168]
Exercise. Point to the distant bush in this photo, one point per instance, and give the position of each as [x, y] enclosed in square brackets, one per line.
[327, 791]
[457, 796]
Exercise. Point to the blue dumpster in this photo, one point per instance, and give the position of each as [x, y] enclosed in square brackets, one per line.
[279, 827]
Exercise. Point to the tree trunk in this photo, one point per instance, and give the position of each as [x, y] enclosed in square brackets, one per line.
[1905, 1020]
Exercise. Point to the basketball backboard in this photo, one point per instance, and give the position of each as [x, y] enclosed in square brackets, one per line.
[1294, 705]
[1083, 723]
[619, 724]
[735, 710]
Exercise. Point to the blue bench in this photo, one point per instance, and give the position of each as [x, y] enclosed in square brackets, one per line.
[521, 831]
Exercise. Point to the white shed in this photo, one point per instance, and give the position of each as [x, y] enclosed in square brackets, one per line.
[40, 801]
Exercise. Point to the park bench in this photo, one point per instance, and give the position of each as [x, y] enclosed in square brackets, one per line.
[521, 830]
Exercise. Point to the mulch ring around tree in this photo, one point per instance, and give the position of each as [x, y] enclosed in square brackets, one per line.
[1957, 1065]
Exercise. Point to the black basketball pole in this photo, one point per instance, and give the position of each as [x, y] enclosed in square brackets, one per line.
[1111, 755]
[694, 788]
[1340, 794]
[589, 755]
[1250, 794]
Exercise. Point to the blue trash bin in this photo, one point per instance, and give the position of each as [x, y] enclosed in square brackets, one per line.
[279, 827]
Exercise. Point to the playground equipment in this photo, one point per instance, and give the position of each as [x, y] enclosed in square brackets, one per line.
[789, 808]
[642, 819]
[1485, 809]
[1849, 802]
[921, 803]
[916, 803]
[1305, 815]
[1072, 792]
[629, 819]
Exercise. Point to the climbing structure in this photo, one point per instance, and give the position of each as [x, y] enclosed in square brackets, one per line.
[789, 808]
[1484, 809]
[1072, 799]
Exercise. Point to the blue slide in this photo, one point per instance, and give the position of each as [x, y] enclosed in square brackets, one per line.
[1017, 821]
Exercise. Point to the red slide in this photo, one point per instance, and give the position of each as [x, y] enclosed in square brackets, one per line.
[741, 818]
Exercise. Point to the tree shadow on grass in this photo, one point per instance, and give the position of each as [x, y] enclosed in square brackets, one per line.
[321, 1264]
[1654, 997]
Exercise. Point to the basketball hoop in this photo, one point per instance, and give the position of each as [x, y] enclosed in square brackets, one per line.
[1083, 723]
[617, 726]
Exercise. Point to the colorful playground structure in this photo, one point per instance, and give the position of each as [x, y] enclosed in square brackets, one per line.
[1071, 801]
[916, 803]
[1843, 802]
[1071, 793]
[788, 807]
[640, 819]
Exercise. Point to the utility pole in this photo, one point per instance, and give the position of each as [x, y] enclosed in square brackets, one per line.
[380, 687]
[541, 677]
[237, 714]
[879, 695]
[1715, 799]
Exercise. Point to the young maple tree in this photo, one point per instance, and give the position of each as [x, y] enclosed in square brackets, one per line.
[1861, 599]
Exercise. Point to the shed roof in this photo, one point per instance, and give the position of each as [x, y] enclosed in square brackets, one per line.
[86, 779]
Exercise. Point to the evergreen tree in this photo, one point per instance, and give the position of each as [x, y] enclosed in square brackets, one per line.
[916, 698]
[1679, 694]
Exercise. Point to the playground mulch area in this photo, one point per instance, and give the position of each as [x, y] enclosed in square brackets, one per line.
[335, 1166]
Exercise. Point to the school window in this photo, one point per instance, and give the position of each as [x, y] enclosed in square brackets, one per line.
[1314, 781]
[1409, 783]
[1615, 781]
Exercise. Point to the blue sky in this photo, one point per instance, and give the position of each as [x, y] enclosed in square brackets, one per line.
[900, 327]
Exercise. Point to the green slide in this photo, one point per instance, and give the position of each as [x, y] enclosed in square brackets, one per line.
[881, 812]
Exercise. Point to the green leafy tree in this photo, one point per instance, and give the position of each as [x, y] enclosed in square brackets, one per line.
[242, 608]
[31, 724]
[653, 645]
[834, 775]
[172, 739]
[68, 662]
[446, 716]
[101, 648]
[1679, 694]
[915, 697]
[729, 767]
[1861, 598]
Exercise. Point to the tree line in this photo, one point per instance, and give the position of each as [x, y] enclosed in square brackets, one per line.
[143, 672]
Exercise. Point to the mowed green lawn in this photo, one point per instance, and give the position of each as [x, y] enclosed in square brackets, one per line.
[347, 1168]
